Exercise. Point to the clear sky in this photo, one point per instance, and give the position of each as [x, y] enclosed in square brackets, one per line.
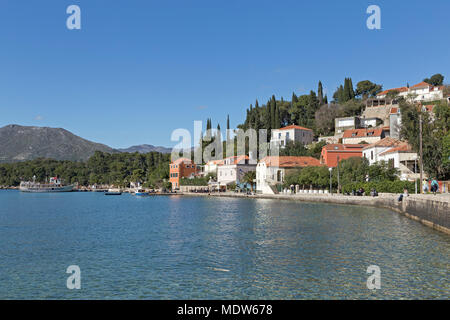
[137, 70]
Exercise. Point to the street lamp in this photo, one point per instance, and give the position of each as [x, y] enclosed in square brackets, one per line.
[330, 169]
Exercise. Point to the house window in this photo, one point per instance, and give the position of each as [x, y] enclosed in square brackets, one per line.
[287, 136]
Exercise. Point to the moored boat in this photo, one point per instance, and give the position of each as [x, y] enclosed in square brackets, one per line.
[54, 185]
[140, 192]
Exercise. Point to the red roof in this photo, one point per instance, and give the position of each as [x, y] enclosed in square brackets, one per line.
[386, 142]
[402, 89]
[235, 159]
[293, 126]
[404, 147]
[179, 160]
[337, 147]
[290, 161]
[429, 108]
[394, 110]
[361, 133]
[422, 84]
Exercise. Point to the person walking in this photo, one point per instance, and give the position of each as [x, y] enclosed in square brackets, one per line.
[434, 186]
[425, 186]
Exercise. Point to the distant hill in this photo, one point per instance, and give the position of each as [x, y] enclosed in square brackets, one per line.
[146, 148]
[18, 143]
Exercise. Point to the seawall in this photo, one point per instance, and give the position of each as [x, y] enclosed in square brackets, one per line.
[430, 210]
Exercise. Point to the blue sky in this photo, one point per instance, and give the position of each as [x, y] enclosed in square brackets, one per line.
[137, 70]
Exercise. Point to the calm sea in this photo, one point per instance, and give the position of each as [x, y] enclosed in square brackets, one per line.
[178, 247]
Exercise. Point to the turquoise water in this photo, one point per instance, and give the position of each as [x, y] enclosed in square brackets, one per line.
[212, 248]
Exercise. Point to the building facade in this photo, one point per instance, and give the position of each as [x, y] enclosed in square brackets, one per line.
[233, 169]
[291, 133]
[181, 168]
[333, 153]
[271, 171]
[363, 135]
[373, 151]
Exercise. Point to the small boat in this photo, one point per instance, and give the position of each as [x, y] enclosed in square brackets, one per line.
[108, 193]
[113, 192]
[54, 185]
[140, 192]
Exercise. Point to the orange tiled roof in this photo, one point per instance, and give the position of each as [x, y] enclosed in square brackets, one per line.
[386, 142]
[293, 126]
[429, 107]
[401, 89]
[343, 147]
[422, 84]
[394, 110]
[179, 160]
[210, 162]
[235, 159]
[290, 161]
[404, 147]
[361, 133]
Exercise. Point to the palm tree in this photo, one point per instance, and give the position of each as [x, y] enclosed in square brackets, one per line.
[249, 177]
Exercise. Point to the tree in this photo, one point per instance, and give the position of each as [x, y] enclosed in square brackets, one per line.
[367, 89]
[435, 80]
[434, 132]
[320, 93]
[249, 177]
[325, 118]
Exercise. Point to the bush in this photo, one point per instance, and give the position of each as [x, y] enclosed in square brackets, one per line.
[396, 186]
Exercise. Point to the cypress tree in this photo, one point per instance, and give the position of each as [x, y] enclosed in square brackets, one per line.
[320, 93]
[228, 127]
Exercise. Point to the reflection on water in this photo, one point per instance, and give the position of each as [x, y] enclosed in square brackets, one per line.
[213, 248]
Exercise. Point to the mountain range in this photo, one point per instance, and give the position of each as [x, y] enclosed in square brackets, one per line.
[20, 143]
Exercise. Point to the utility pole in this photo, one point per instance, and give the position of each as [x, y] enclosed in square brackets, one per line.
[339, 183]
[420, 148]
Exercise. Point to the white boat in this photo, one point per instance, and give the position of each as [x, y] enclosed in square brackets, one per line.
[54, 185]
[140, 192]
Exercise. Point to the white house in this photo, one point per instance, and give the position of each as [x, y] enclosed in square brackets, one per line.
[211, 167]
[397, 153]
[233, 169]
[419, 92]
[291, 133]
[404, 159]
[372, 151]
[271, 171]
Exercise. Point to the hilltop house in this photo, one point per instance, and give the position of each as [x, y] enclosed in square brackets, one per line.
[270, 171]
[181, 168]
[331, 153]
[292, 133]
[233, 169]
[359, 135]
[419, 92]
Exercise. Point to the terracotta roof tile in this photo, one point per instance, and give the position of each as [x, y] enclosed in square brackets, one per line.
[293, 127]
[386, 142]
[290, 161]
[361, 133]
